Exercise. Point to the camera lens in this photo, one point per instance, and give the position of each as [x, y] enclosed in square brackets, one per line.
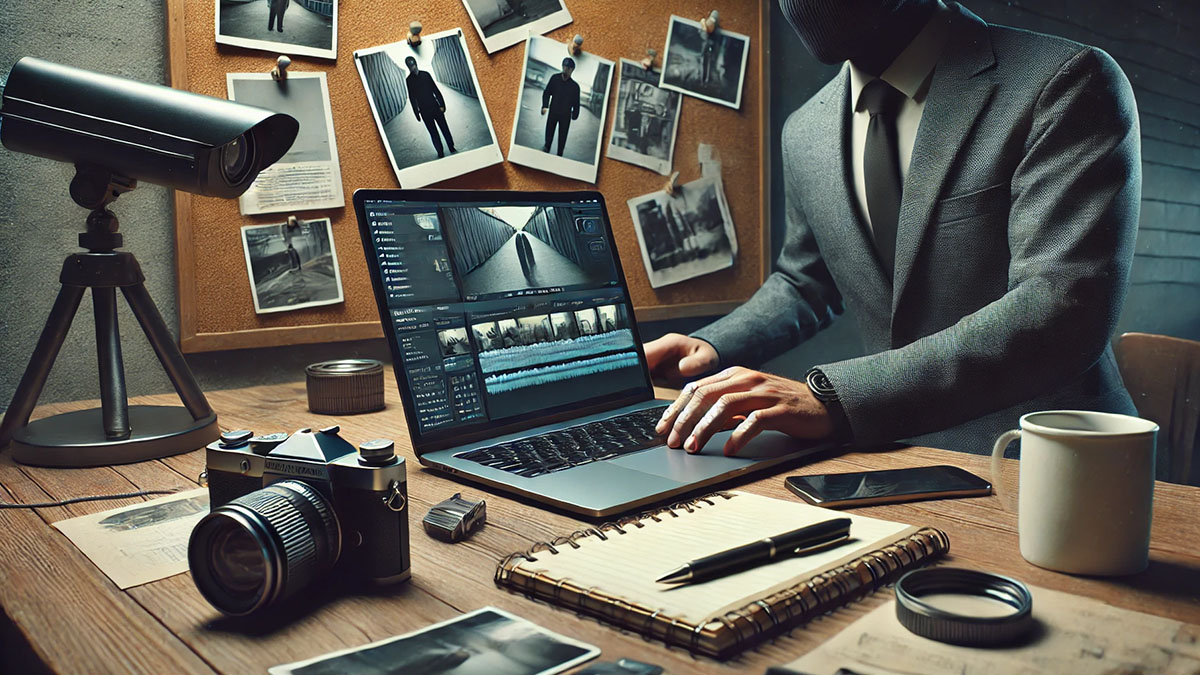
[263, 547]
[236, 158]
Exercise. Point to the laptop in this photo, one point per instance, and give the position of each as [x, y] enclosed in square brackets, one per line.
[517, 353]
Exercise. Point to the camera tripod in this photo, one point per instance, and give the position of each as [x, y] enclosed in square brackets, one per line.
[115, 433]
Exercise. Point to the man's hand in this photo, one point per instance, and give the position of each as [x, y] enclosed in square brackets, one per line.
[544, 110]
[674, 357]
[443, 108]
[766, 401]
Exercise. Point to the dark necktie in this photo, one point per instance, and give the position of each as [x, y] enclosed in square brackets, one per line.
[881, 167]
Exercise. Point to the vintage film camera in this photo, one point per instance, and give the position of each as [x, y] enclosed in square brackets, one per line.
[287, 510]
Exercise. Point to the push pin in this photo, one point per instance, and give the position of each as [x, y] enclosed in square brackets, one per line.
[672, 184]
[294, 222]
[279, 72]
[414, 33]
[710, 23]
[575, 45]
[648, 62]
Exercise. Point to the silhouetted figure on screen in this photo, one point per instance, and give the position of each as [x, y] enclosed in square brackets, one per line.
[275, 14]
[428, 104]
[525, 255]
[561, 100]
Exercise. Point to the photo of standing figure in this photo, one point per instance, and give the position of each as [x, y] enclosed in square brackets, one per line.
[560, 105]
[311, 27]
[428, 105]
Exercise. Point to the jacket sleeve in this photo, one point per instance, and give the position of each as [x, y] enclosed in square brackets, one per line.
[437, 93]
[548, 92]
[575, 102]
[797, 300]
[1073, 212]
[412, 99]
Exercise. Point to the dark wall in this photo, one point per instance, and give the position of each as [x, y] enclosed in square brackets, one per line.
[1156, 45]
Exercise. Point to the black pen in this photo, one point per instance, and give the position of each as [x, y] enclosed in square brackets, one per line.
[759, 552]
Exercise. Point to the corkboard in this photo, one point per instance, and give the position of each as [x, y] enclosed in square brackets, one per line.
[215, 303]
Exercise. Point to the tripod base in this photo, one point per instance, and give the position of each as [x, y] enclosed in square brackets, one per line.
[70, 439]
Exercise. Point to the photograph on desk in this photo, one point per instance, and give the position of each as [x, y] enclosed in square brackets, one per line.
[709, 66]
[292, 267]
[311, 26]
[488, 641]
[686, 235]
[309, 175]
[428, 108]
[561, 105]
[646, 120]
[507, 250]
[504, 23]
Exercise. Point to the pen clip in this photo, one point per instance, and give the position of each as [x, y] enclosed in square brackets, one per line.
[832, 543]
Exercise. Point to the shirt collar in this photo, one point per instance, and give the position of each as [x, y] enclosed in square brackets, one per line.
[911, 70]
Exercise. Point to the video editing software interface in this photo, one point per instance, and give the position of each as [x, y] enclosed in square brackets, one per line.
[502, 309]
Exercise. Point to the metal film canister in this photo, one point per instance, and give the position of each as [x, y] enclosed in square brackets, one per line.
[345, 386]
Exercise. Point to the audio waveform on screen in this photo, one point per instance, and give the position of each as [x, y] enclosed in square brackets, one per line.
[525, 356]
[499, 384]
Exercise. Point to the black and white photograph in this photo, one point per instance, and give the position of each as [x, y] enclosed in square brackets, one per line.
[564, 325]
[612, 317]
[646, 120]
[293, 27]
[292, 267]
[309, 175]
[454, 342]
[507, 249]
[561, 105]
[686, 235]
[428, 108]
[504, 23]
[709, 66]
[488, 641]
[586, 320]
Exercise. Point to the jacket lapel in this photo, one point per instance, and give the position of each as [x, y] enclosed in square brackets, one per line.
[848, 239]
[960, 89]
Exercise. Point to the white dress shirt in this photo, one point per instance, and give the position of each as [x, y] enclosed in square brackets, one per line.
[910, 73]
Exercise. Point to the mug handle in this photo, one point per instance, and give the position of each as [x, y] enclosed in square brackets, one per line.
[1007, 500]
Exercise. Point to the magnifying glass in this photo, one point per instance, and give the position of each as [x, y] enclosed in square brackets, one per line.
[964, 607]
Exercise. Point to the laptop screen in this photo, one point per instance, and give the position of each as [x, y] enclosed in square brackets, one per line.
[504, 309]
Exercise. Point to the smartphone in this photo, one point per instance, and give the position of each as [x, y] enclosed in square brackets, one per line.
[867, 488]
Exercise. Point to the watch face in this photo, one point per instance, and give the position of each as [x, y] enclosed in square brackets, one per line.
[820, 385]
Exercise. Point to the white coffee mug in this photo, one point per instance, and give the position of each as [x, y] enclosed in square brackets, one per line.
[1086, 490]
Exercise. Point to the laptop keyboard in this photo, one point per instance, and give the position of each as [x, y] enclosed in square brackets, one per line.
[574, 446]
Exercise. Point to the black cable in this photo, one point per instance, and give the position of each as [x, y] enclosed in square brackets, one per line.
[92, 498]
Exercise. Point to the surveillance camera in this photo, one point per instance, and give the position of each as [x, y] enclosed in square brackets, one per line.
[147, 132]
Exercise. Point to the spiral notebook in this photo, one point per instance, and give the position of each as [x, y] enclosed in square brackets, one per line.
[609, 572]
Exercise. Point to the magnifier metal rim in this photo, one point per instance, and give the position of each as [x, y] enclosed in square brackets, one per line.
[938, 624]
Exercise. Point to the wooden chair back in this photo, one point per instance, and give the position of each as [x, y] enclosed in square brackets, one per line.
[1162, 375]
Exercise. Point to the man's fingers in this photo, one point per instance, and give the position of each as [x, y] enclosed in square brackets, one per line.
[719, 415]
[754, 424]
[685, 396]
[704, 397]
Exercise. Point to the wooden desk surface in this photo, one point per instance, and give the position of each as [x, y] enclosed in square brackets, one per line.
[75, 619]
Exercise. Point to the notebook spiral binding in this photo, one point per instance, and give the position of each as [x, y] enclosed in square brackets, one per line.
[737, 630]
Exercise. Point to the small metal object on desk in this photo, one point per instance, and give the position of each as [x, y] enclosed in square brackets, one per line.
[455, 518]
[938, 624]
[345, 386]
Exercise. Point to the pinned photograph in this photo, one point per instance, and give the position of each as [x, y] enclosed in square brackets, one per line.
[293, 27]
[561, 107]
[686, 235]
[646, 120]
[504, 23]
[488, 641]
[292, 267]
[309, 176]
[709, 66]
[428, 108]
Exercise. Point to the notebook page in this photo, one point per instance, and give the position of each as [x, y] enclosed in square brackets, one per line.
[626, 565]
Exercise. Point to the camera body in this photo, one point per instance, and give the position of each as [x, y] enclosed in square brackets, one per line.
[149, 132]
[308, 495]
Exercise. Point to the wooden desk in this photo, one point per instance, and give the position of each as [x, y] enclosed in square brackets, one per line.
[74, 619]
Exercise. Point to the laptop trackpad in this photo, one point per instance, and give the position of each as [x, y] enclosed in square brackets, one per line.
[678, 465]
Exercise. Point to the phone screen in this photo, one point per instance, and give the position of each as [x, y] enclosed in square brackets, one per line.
[892, 485]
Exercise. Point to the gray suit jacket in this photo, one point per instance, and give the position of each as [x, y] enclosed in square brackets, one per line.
[1014, 244]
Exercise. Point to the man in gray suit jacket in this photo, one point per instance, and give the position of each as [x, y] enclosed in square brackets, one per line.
[998, 289]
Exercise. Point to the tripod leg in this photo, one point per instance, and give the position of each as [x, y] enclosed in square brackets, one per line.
[114, 402]
[168, 354]
[50, 341]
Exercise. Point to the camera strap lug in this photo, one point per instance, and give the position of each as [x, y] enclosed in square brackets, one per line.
[394, 499]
